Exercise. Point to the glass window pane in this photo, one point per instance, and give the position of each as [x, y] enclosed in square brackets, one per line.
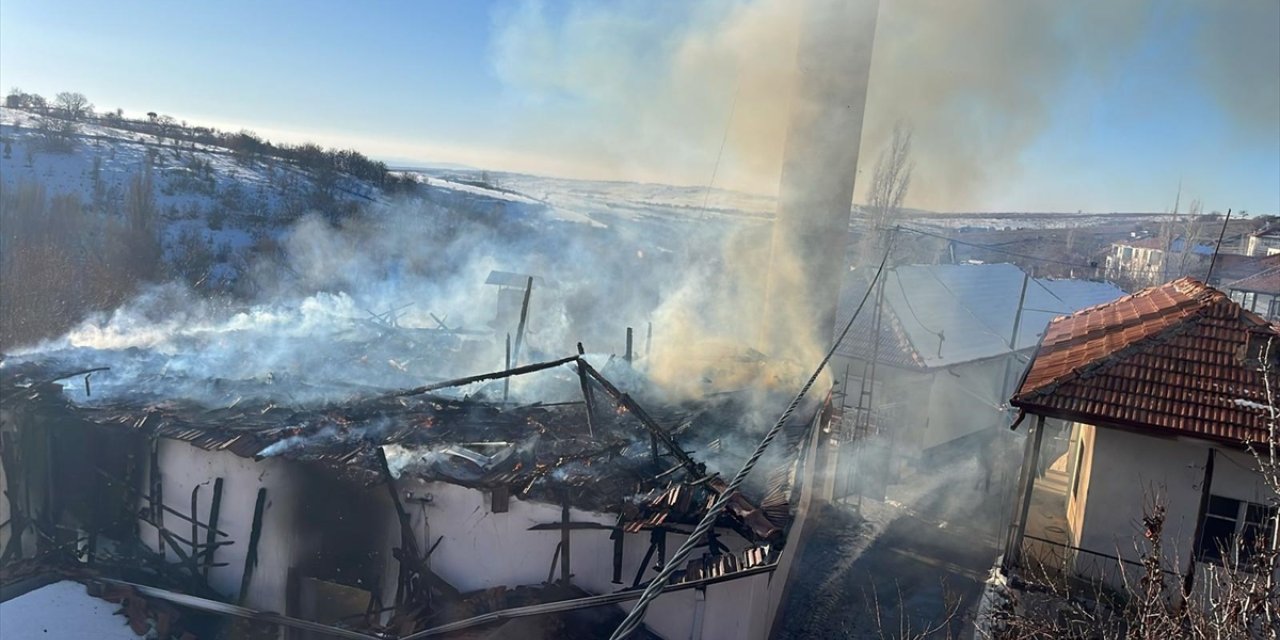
[1216, 539]
[1224, 507]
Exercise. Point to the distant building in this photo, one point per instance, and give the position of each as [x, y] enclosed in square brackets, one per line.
[1259, 293]
[1264, 242]
[1161, 391]
[952, 341]
[1151, 260]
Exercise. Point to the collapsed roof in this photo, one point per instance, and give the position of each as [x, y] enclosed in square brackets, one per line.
[621, 460]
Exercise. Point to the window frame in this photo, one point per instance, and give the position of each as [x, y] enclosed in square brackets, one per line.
[1245, 517]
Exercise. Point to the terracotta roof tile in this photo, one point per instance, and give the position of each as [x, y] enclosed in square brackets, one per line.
[1264, 282]
[1180, 358]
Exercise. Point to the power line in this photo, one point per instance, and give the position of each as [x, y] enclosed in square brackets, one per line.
[655, 587]
[907, 300]
[996, 249]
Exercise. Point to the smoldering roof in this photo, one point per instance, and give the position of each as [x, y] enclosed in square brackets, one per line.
[543, 452]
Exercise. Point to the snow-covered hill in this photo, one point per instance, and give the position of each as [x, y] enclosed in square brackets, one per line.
[208, 200]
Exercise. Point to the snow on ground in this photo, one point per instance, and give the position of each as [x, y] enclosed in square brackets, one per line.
[202, 193]
[62, 611]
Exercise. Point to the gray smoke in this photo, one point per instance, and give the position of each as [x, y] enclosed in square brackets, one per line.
[653, 91]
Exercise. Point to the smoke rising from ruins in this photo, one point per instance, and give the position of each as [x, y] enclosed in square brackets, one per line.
[978, 81]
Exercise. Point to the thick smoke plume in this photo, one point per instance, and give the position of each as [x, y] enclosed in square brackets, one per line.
[312, 330]
[661, 87]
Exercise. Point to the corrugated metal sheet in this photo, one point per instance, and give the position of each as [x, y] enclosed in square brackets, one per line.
[943, 315]
[1180, 358]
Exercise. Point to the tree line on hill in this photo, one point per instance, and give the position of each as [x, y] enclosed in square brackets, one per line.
[61, 116]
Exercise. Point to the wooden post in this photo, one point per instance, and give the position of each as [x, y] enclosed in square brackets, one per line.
[648, 341]
[524, 318]
[157, 492]
[564, 541]
[195, 528]
[619, 538]
[506, 382]
[1026, 484]
[627, 356]
[588, 397]
[251, 556]
[211, 534]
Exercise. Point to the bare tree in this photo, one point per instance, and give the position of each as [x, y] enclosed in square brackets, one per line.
[892, 177]
[73, 104]
[889, 186]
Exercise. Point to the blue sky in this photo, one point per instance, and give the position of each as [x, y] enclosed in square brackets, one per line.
[1062, 107]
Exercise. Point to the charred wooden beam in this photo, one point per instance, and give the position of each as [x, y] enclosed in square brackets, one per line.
[619, 541]
[162, 508]
[215, 507]
[588, 396]
[255, 534]
[409, 555]
[500, 499]
[555, 559]
[564, 540]
[495, 375]
[195, 529]
[627, 355]
[524, 318]
[644, 564]
[506, 382]
[658, 433]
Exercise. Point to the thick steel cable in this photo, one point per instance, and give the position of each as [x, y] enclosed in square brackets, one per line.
[636, 616]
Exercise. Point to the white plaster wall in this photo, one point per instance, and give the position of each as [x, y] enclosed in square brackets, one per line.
[482, 549]
[281, 545]
[1127, 471]
[1123, 469]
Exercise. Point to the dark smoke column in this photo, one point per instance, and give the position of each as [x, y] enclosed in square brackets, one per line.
[820, 161]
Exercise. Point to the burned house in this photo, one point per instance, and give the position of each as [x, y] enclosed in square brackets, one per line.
[407, 511]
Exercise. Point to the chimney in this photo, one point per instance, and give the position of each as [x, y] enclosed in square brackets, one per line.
[811, 229]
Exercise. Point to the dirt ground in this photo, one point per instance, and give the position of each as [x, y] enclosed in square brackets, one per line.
[894, 570]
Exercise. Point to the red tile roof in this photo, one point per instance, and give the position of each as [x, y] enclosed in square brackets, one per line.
[1170, 360]
[1265, 282]
[1231, 267]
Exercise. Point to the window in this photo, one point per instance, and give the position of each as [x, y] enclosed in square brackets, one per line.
[1233, 529]
[1246, 300]
[1274, 311]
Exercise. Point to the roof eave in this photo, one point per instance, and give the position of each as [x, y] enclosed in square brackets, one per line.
[1131, 426]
